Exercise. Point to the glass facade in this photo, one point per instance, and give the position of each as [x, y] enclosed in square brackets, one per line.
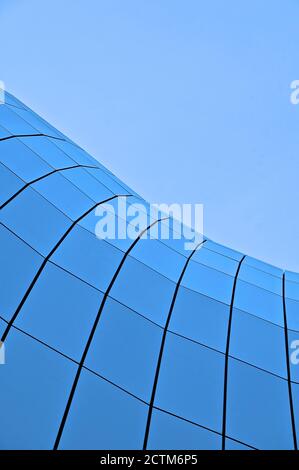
[130, 344]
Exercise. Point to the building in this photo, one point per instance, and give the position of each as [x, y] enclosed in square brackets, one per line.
[130, 344]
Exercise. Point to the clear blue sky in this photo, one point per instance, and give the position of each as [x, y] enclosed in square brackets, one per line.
[185, 100]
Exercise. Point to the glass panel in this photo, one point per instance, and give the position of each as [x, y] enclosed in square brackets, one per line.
[64, 195]
[216, 261]
[159, 257]
[4, 133]
[107, 180]
[223, 250]
[268, 268]
[200, 318]
[291, 276]
[40, 125]
[258, 342]
[103, 417]
[259, 302]
[143, 290]
[17, 257]
[34, 386]
[169, 432]
[76, 153]
[9, 184]
[125, 349]
[12, 100]
[48, 151]
[258, 409]
[91, 259]
[209, 282]
[191, 382]
[35, 220]
[110, 180]
[292, 311]
[60, 311]
[292, 290]
[14, 123]
[22, 161]
[260, 278]
[89, 185]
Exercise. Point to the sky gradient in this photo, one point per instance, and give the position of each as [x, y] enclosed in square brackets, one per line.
[187, 102]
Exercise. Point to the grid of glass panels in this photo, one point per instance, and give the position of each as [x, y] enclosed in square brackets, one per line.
[227, 330]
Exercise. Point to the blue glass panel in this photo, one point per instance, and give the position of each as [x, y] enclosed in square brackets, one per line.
[291, 276]
[159, 257]
[89, 185]
[9, 184]
[258, 410]
[209, 282]
[189, 371]
[34, 386]
[18, 266]
[108, 181]
[292, 290]
[103, 417]
[64, 195]
[22, 161]
[47, 150]
[91, 259]
[223, 250]
[169, 432]
[4, 132]
[259, 302]
[292, 311]
[200, 318]
[177, 244]
[12, 100]
[260, 278]
[144, 290]
[14, 123]
[215, 260]
[60, 311]
[76, 153]
[35, 220]
[268, 268]
[258, 342]
[125, 349]
[39, 124]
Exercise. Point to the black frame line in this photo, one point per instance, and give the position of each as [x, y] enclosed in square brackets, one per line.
[46, 259]
[229, 327]
[57, 170]
[92, 332]
[286, 336]
[39, 134]
[165, 330]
